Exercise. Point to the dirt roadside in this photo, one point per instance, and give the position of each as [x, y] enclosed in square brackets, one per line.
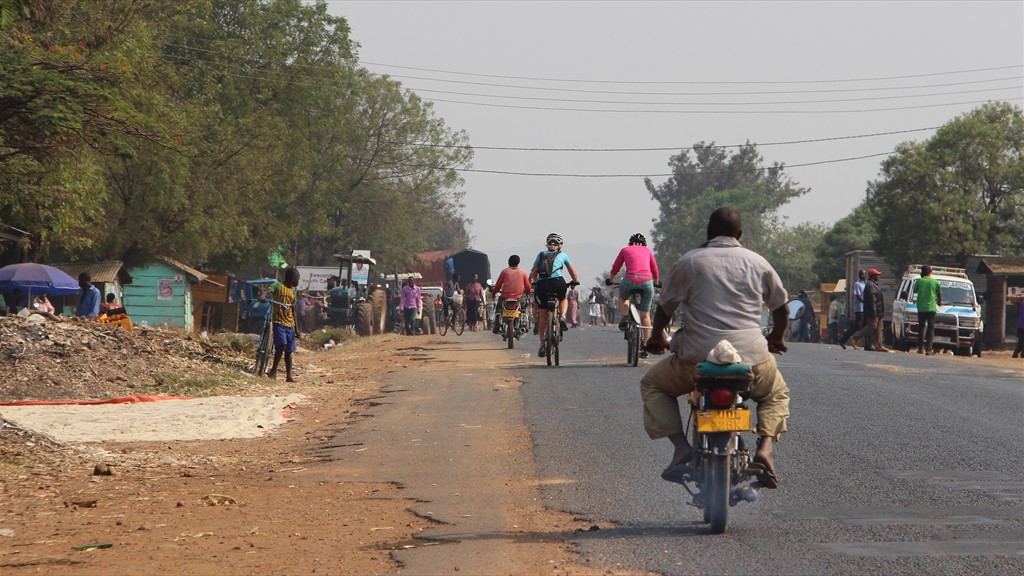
[285, 503]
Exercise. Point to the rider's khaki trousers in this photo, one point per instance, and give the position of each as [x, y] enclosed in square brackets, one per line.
[671, 378]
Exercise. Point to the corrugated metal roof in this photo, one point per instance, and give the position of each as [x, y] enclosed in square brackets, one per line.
[106, 272]
[434, 256]
[1008, 266]
[196, 274]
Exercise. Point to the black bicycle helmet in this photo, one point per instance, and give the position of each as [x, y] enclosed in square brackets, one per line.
[637, 238]
[554, 240]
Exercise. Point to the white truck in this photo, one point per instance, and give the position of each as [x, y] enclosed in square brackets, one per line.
[958, 323]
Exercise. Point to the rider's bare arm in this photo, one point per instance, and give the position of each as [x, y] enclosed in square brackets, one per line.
[657, 343]
[572, 273]
[780, 319]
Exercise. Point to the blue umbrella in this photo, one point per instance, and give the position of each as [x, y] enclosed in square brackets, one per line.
[37, 279]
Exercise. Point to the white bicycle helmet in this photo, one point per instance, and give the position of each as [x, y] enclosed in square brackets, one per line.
[555, 240]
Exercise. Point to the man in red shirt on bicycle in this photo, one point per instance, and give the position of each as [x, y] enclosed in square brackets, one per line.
[513, 282]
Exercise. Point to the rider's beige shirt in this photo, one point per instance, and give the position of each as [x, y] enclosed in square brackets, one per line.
[721, 288]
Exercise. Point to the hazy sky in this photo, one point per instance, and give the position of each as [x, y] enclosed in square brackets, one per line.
[641, 75]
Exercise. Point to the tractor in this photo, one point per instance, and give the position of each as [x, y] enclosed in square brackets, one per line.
[351, 303]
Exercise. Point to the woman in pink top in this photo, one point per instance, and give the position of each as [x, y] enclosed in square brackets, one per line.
[641, 273]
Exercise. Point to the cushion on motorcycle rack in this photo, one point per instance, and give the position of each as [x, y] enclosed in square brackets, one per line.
[712, 370]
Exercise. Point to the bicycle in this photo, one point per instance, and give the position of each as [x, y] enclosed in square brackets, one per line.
[553, 331]
[454, 319]
[266, 340]
[635, 330]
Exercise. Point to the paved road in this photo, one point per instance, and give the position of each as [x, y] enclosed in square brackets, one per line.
[894, 464]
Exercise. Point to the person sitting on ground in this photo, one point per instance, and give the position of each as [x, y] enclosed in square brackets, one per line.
[696, 283]
[42, 304]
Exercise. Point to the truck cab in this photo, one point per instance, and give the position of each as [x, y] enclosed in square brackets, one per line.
[958, 322]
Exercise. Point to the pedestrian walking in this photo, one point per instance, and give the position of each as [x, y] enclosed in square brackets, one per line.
[874, 314]
[573, 313]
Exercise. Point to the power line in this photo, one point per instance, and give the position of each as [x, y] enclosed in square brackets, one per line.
[743, 93]
[644, 93]
[686, 82]
[562, 175]
[635, 102]
[320, 82]
[613, 111]
[684, 148]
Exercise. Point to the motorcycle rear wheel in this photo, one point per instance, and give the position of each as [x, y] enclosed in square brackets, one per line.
[716, 505]
[510, 334]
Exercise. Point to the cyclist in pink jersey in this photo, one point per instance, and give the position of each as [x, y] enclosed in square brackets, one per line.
[641, 273]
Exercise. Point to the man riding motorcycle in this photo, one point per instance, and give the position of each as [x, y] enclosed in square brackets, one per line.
[721, 286]
[547, 277]
[512, 283]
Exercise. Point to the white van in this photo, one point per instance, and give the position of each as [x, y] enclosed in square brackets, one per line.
[958, 323]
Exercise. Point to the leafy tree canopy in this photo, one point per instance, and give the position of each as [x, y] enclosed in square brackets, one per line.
[856, 231]
[214, 131]
[959, 193]
[707, 177]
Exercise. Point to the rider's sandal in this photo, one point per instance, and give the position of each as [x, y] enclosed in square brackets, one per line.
[769, 479]
[677, 473]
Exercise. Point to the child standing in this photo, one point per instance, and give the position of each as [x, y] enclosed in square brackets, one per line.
[285, 328]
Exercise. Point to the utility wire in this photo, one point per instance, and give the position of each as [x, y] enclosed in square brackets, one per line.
[603, 110]
[589, 81]
[635, 102]
[677, 148]
[613, 111]
[644, 93]
[748, 92]
[560, 175]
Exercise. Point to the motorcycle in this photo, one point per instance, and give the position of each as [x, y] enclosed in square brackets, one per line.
[512, 321]
[722, 469]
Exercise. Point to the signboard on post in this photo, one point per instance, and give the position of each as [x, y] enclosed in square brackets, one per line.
[361, 270]
[314, 278]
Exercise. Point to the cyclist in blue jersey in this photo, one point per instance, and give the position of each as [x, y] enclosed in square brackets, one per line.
[548, 277]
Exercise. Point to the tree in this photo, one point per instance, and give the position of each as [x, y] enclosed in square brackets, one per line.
[856, 231]
[791, 251]
[959, 193]
[712, 179]
[214, 131]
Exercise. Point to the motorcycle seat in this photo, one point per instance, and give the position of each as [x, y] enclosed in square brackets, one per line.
[712, 370]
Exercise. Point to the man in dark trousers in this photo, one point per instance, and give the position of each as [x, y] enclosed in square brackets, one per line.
[874, 314]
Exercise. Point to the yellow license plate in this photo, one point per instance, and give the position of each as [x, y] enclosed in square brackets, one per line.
[510, 313]
[723, 420]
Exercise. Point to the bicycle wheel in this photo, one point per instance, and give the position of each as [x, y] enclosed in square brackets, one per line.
[557, 348]
[442, 327]
[629, 344]
[460, 322]
[636, 338]
[263, 349]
